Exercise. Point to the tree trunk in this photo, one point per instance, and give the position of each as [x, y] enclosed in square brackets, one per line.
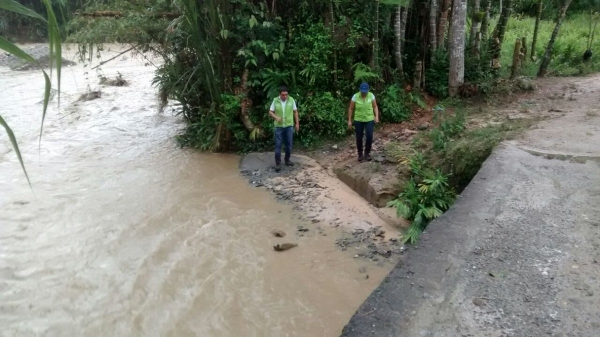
[516, 65]
[433, 10]
[403, 27]
[418, 76]
[475, 21]
[335, 65]
[548, 53]
[500, 7]
[398, 38]
[485, 23]
[376, 39]
[499, 31]
[523, 50]
[443, 23]
[245, 101]
[536, 29]
[457, 47]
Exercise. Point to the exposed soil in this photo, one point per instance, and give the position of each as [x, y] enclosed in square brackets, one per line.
[325, 202]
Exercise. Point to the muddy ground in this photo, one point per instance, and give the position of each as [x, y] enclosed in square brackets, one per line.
[519, 252]
[325, 202]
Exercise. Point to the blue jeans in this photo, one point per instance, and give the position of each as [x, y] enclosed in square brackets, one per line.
[283, 135]
[361, 128]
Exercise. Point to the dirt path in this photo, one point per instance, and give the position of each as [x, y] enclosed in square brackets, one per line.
[519, 252]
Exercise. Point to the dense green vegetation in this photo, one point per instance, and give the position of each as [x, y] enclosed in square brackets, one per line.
[225, 59]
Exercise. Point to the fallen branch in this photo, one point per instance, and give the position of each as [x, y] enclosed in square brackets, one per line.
[115, 14]
[112, 58]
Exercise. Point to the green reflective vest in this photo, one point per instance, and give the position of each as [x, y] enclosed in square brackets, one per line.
[287, 116]
[363, 107]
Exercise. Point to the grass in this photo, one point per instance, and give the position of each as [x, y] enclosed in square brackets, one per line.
[568, 48]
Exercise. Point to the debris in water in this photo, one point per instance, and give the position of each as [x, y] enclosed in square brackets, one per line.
[278, 233]
[92, 95]
[115, 82]
[284, 246]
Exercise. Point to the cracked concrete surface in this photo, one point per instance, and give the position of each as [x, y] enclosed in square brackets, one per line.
[519, 252]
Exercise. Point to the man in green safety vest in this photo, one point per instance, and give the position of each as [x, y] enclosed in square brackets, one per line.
[282, 109]
[366, 114]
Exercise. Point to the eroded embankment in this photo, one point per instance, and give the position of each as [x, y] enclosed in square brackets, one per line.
[518, 253]
[321, 198]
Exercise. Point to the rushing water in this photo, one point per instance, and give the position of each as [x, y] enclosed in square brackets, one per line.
[125, 234]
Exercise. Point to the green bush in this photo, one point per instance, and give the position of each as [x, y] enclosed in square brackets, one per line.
[393, 104]
[321, 116]
[449, 126]
[423, 202]
[436, 76]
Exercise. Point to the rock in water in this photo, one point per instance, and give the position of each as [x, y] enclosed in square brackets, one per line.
[90, 96]
[277, 233]
[284, 246]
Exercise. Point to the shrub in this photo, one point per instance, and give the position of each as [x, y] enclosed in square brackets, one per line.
[423, 202]
[322, 115]
[393, 105]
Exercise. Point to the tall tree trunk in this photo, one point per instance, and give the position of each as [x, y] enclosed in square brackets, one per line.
[335, 65]
[443, 23]
[433, 10]
[485, 22]
[457, 47]
[499, 31]
[548, 54]
[538, 17]
[403, 26]
[500, 8]
[398, 37]
[375, 59]
[475, 21]
[245, 102]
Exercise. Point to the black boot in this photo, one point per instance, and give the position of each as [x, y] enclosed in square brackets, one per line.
[289, 163]
[360, 158]
[277, 167]
[368, 157]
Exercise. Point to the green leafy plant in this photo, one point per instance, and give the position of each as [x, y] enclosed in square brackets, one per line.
[364, 73]
[393, 104]
[449, 126]
[423, 202]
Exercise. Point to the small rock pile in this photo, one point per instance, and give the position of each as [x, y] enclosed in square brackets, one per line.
[370, 244]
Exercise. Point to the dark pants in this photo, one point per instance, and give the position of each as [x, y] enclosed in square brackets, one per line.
[283, 135]
[361, 128]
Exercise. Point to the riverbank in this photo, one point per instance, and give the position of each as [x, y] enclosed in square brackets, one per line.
[127, 234]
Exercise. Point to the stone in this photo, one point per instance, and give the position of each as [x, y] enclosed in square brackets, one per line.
[284, 246]
[478, 302]
[278, 233]
[423, 126]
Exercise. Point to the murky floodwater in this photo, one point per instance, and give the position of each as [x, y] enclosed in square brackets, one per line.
[124, 234]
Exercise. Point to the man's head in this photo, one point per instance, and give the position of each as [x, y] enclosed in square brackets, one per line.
[364, 88]
[283, 93]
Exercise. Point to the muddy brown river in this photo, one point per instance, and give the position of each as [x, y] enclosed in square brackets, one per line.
[125, 234]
